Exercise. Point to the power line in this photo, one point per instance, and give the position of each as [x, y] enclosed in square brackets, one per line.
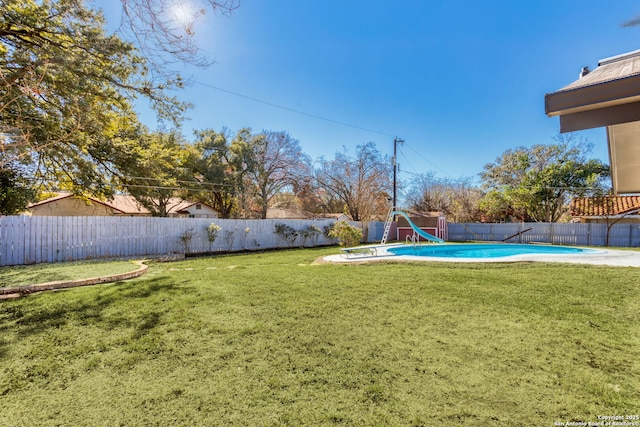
[427, 160]
[409, 173]
[282, 107]
[196, 189]
[410, 165]
[213, 184]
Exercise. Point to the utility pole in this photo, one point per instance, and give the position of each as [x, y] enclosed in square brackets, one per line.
[394, 161]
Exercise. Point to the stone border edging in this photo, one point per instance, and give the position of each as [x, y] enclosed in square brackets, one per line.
[15, 291]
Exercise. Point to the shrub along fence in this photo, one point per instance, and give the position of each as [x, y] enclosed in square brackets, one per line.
[546, 232]
[30, 240]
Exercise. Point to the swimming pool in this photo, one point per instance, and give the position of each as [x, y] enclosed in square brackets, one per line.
[485, 250]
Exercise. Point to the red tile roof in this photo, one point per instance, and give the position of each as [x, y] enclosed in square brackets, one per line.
[604, 206]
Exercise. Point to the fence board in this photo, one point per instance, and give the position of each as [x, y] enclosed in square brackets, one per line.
[18, 246]
[25, 239]
[624, 235]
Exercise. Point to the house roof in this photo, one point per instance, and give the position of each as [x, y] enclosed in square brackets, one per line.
[124, 204]
[61, 196]
[610, 69]
[607, 206]
[282, 213]
[334, 216]
[608, 95]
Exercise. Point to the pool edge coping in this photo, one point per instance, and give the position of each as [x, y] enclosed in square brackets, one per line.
[604, 257]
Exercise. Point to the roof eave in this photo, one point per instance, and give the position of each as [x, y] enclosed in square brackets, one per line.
[619, 216]
[589, 97]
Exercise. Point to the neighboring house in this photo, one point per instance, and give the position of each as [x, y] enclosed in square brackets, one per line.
[282, 213]
[186, 209]
[603, 210]
[66, 204]
[336, 216]
[434, 223]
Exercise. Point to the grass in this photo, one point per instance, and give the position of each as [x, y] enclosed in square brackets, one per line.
[42, 273]
[270, 339]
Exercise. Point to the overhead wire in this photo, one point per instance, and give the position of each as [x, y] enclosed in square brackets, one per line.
[293, 110]
[410, 164]
[211, 185]
[180, 181]
[425, 159]
[318, 117]
[161, 187]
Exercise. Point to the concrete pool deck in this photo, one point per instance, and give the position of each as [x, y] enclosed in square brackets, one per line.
[608, 257]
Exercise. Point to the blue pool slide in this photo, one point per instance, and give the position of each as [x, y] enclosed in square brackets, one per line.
[420, 232]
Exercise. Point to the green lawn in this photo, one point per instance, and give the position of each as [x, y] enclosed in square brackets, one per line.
[270, 339]
[42, 273]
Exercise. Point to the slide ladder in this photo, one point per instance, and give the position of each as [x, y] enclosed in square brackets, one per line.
[387, 226]
[420, 232]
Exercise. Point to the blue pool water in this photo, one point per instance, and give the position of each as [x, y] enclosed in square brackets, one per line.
[485, 250]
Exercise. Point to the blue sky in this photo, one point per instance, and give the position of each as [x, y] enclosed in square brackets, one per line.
[459, 81]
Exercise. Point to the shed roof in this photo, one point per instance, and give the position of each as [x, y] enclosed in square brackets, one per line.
[421, 219]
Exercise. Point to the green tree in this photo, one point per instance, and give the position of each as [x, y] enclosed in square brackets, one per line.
[535, 183]
[157, 177]
[347, 234]
[499, 206]
[219, 163]
[65, 87]
[16, 190]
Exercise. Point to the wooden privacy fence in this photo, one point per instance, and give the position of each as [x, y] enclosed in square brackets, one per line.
[548, 232]
[30, 240]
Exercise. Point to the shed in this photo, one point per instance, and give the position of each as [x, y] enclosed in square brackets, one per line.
[434, 223]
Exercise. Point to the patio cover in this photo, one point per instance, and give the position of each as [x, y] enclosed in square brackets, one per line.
[607, 96]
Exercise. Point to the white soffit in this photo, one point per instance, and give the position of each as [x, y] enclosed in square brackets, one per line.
[624, 156]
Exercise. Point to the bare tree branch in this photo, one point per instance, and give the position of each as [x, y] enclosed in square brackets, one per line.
[164, 32]
[632, 22]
